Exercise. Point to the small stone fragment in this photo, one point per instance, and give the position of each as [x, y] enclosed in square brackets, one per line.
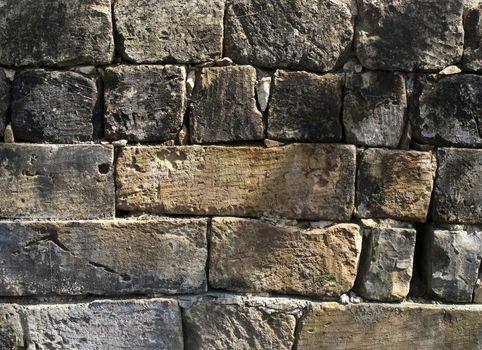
[8, 135]
[263, 90]
[305, 107]
[170, 31]
[119, 143]
[4, 100]
[450, 70]
[394, 184]
[144, 103]
[223, 106]
[374, 109]
[457, 196]
[344, 299]
[478, 289]
[183, 136]
[472, 59]
[272, 143]
[55, 107]
[190, 81]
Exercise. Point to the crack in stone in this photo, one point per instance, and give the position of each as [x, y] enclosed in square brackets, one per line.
[124, 276]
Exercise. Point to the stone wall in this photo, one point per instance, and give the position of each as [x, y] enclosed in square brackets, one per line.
[240, 174]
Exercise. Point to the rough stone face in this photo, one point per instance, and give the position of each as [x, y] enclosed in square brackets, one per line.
[394, 184]
[186, 31]
[56, 107]
[457, 196]
[332, 326]
[255, 256]
[134, 324]
[455, 260]
[56, 181]
[386, 264]
[297, 181]
[472, 60]
[4, 100]
[305, 107]
[223, 106]
[212, 326]
[288, 34]
[144, 103]
[103, 257]
[374, 109]
[450, 112]
[56, 33]
[409, 35]
[478, 289]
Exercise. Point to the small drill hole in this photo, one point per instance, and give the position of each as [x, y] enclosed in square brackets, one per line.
[104, 168]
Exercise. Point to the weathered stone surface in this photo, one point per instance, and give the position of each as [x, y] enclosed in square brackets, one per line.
[134, 324]
[456, 255]
[457, 196]
[478, 289]
[4, 100]
[305, 107]
[56, 33]
[409, 35]
[394, 184]
[450, 112]
[56, 181]
[103, 257]
[212, 326]
[144, 103]
[386, 264]
[297, 181]
[54, 106]
[254, 256]
[472, 60]
[390, 326]
[288, 34]
[223, 106]
[374, 109]
[186, 31]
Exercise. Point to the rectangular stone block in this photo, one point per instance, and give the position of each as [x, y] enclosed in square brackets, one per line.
[297, 181]
[253, 256]
[103, 257]
[4, 101]
[472, 59]
[405, 326]
[56, 181]
[120, 324]
[56, 33]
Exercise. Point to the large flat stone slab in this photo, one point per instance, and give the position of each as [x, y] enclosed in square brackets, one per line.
[253, 256]
[103, 257]
[56, 181]
[297, 181]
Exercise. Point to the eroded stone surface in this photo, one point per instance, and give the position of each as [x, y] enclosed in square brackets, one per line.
[56, 33]
[56, 181]
[386, 264]
[409, 35]
[305, 107]
[223, 106]
[186, 31]
[472, 60]
[144, 103]
[255, 256]
[394, 184]
[4, 100]
[374, 109]
[297, 181]
[54, 106]
[457, 196]
[288, 34]
[103, 257]
[392, 326]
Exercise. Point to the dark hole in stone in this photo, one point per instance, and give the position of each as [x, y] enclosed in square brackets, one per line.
[104, 168]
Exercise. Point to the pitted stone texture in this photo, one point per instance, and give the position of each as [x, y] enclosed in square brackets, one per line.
[212, 326]
[456, 256]
[374, 109]
[254, 256]
[457, 196]
[144, 103]
[409, 35]
[185, 31]
[331, 326]
[386, 264]
[450, 112]
[305, 107]
[134, 324]
[4, 101]
[56, 181]
[472, 60]
[223, 106]
[288, 34]
[103, 257]
[54, 106]
[297, 181]
[394, 184]
[56, 33]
